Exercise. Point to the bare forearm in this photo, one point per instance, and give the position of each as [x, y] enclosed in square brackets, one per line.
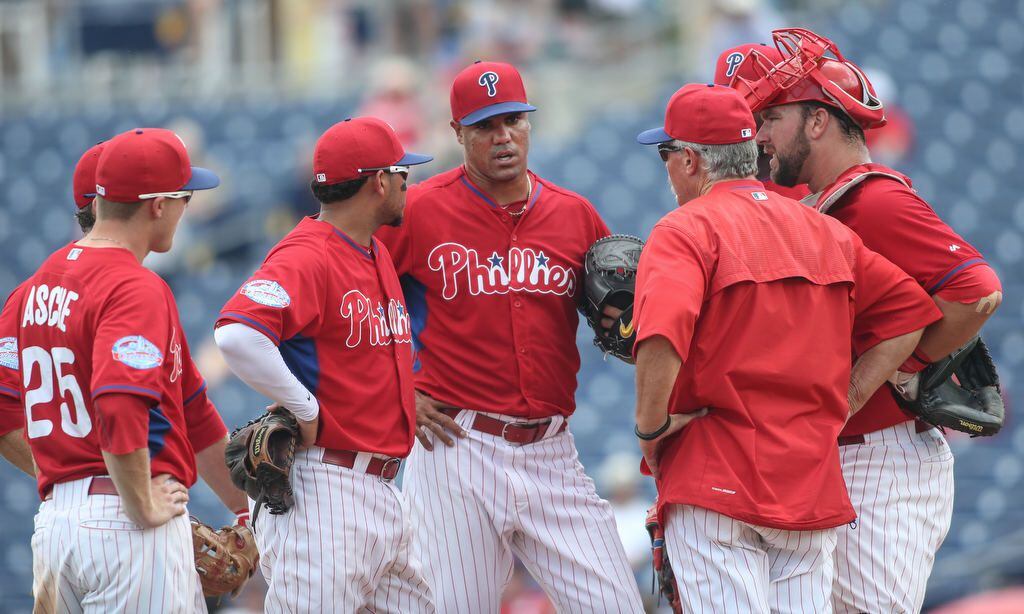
[15, 449]
[874, 367]
[131, 475]
[214, 471]
[960, 322]
[657, 366]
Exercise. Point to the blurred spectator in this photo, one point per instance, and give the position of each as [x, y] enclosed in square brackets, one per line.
[891, 144]
[523, 596]
[1005, 601]
[392, 96]
[620, 482]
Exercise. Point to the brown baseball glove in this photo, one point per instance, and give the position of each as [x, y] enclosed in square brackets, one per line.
[225, 559]
[259, 456]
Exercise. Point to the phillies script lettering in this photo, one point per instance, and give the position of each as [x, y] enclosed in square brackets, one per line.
[521, 270]
[380, 326]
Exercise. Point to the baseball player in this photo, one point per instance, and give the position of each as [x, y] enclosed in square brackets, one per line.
[206, 431]
[107, 388]
[899, 470]
[492, 259]
[13, 445]
[746, 304]
[728, 66]
[322, 329]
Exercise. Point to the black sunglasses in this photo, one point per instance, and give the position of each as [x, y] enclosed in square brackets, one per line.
[665, 149]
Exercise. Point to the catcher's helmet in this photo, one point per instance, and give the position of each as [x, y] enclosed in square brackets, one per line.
[805, 73]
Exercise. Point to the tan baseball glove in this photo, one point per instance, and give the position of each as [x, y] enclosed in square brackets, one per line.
[225, 559]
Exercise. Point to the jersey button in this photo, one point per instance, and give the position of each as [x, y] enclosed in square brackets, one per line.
[522, 350]
[514, 237]
[518, 303]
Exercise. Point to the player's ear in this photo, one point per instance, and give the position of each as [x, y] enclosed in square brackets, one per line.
[156, 207]
[691, 161]
[457, 128]
[817, 123]
[380, 179]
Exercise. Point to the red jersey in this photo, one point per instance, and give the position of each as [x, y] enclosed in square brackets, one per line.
[94, 321]
[204, 424]
[493, 296]
[764, 299]
[336, 312]
[894, 221]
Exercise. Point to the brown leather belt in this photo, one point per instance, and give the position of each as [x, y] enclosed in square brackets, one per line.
[384, 468]
[512, 432]
[100, 485]
[920, 426]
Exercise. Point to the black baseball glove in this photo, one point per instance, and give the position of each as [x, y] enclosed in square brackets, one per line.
[959, 392]
[259, 456]
[609, 272]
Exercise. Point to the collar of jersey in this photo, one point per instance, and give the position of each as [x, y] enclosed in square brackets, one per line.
[538, 187]
[367, 253]
[736, 184]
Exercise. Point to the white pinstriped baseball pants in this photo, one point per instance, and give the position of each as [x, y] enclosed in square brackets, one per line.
[477, 503]
[89, 557]
[725, 565]
[343, 546]
[901, 484]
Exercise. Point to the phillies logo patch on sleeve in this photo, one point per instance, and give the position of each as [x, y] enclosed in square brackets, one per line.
[266, 292]
[9, 352]
[137, 352]
[519, 270]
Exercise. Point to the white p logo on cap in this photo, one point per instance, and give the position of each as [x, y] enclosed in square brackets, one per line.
[746, 133]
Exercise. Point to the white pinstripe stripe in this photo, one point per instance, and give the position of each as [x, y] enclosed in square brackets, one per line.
[343, 547]
[724, 565]
[477, 503]
[97, 560]
[901, 484]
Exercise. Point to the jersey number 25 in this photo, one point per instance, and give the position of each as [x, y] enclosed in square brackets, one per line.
[51, 363]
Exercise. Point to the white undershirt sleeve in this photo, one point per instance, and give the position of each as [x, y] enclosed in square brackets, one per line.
[258, 362]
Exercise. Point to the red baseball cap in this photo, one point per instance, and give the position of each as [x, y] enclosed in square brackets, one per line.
[351, 147]
[486, 89]
[708, 114]
[148, 161]
[83, 182]
[731, 62]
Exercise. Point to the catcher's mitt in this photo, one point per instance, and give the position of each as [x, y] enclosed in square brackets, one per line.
[662, 568]
[960, 392]
[609, 272]
[259, 456]
[225, 559]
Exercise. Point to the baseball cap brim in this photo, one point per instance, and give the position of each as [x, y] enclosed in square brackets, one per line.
[653, 137]
[202, 179]
[412, 159]
[496, 109]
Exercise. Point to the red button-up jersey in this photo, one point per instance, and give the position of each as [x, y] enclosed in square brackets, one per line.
[94, 321]
[336, 312]
[493, 296]
[894, 221]
[764, 300]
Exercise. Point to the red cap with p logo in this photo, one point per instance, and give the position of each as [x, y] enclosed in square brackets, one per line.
[486, 89]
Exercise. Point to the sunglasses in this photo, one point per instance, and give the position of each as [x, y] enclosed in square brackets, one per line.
[665, 149]
[186, 194]
[391, 170]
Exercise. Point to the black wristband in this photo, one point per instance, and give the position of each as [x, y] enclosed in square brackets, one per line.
[655, 434]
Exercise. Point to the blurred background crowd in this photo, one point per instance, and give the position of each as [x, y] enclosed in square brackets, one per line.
[250, 84]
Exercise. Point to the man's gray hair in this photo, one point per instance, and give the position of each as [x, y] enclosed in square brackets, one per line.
[721, 162]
